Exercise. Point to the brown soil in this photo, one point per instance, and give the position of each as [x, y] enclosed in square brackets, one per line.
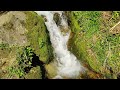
[106, 15]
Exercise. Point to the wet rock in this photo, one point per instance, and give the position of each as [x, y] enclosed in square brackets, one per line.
[57, 18]
[44, 18]
[51, 70]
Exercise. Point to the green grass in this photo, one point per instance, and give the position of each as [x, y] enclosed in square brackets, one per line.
[4, 45]
[88, 21]
[16, 71]
[24, 57]
[115, 15]
[85, 26]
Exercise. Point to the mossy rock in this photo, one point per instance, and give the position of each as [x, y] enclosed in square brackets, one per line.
[35, 73]
[38, 36]
[51, 70]
[18, 30]
[93, 42]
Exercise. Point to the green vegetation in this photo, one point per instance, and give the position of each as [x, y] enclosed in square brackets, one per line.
[88, 21]
[16, 71]
[4, 45]
[38, 37]
[24, 61]
[24, 38]
[95, 40]
[115, 15]
[93, 43]
[24, 58]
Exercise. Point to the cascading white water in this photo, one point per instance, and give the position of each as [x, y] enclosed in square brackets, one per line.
[68, 65]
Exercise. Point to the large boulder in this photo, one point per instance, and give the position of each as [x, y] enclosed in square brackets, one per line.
[22, 34]
[38, 37]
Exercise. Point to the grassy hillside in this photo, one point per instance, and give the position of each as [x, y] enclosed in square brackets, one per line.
[95, 41]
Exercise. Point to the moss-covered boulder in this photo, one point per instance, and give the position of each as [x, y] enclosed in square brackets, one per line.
[51, 70]
[38, 36]
[95, 40]
[35, 73]
[23, 35]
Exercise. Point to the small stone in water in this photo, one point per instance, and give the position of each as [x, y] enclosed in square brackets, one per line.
[57, 19]
[44, 18]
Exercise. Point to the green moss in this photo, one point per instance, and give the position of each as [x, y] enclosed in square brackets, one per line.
[92, 42]
[38, 37]
[115, 15]
[88, 21]
[74, 24]
[16, 72]
[17, 60]
[84, 54]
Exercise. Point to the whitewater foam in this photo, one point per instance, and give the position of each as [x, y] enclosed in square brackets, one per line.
[68, 65]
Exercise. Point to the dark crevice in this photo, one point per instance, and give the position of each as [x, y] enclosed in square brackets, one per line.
[37, 62]
[27, 69]
[118, 76]
[3, 12]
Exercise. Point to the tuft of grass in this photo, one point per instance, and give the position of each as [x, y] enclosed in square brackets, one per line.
[89, 21]
[4, 45]
[24, 58]
[115, 15]
[16, 71]
[93, 45]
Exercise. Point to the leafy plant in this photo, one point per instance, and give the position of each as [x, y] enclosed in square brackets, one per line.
[41, 43]
[17, 71]
[24, 59]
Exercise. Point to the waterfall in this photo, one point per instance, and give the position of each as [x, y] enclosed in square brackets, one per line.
[68, 65]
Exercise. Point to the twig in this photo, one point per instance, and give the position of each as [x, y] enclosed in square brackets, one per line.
[104, 64]
[115, 26]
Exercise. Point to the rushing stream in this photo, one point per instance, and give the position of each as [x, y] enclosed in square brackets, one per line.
[68, 65]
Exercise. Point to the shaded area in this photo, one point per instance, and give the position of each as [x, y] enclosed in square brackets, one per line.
[27, 69]
[118, 76]
[1, 12]
[37, 62]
